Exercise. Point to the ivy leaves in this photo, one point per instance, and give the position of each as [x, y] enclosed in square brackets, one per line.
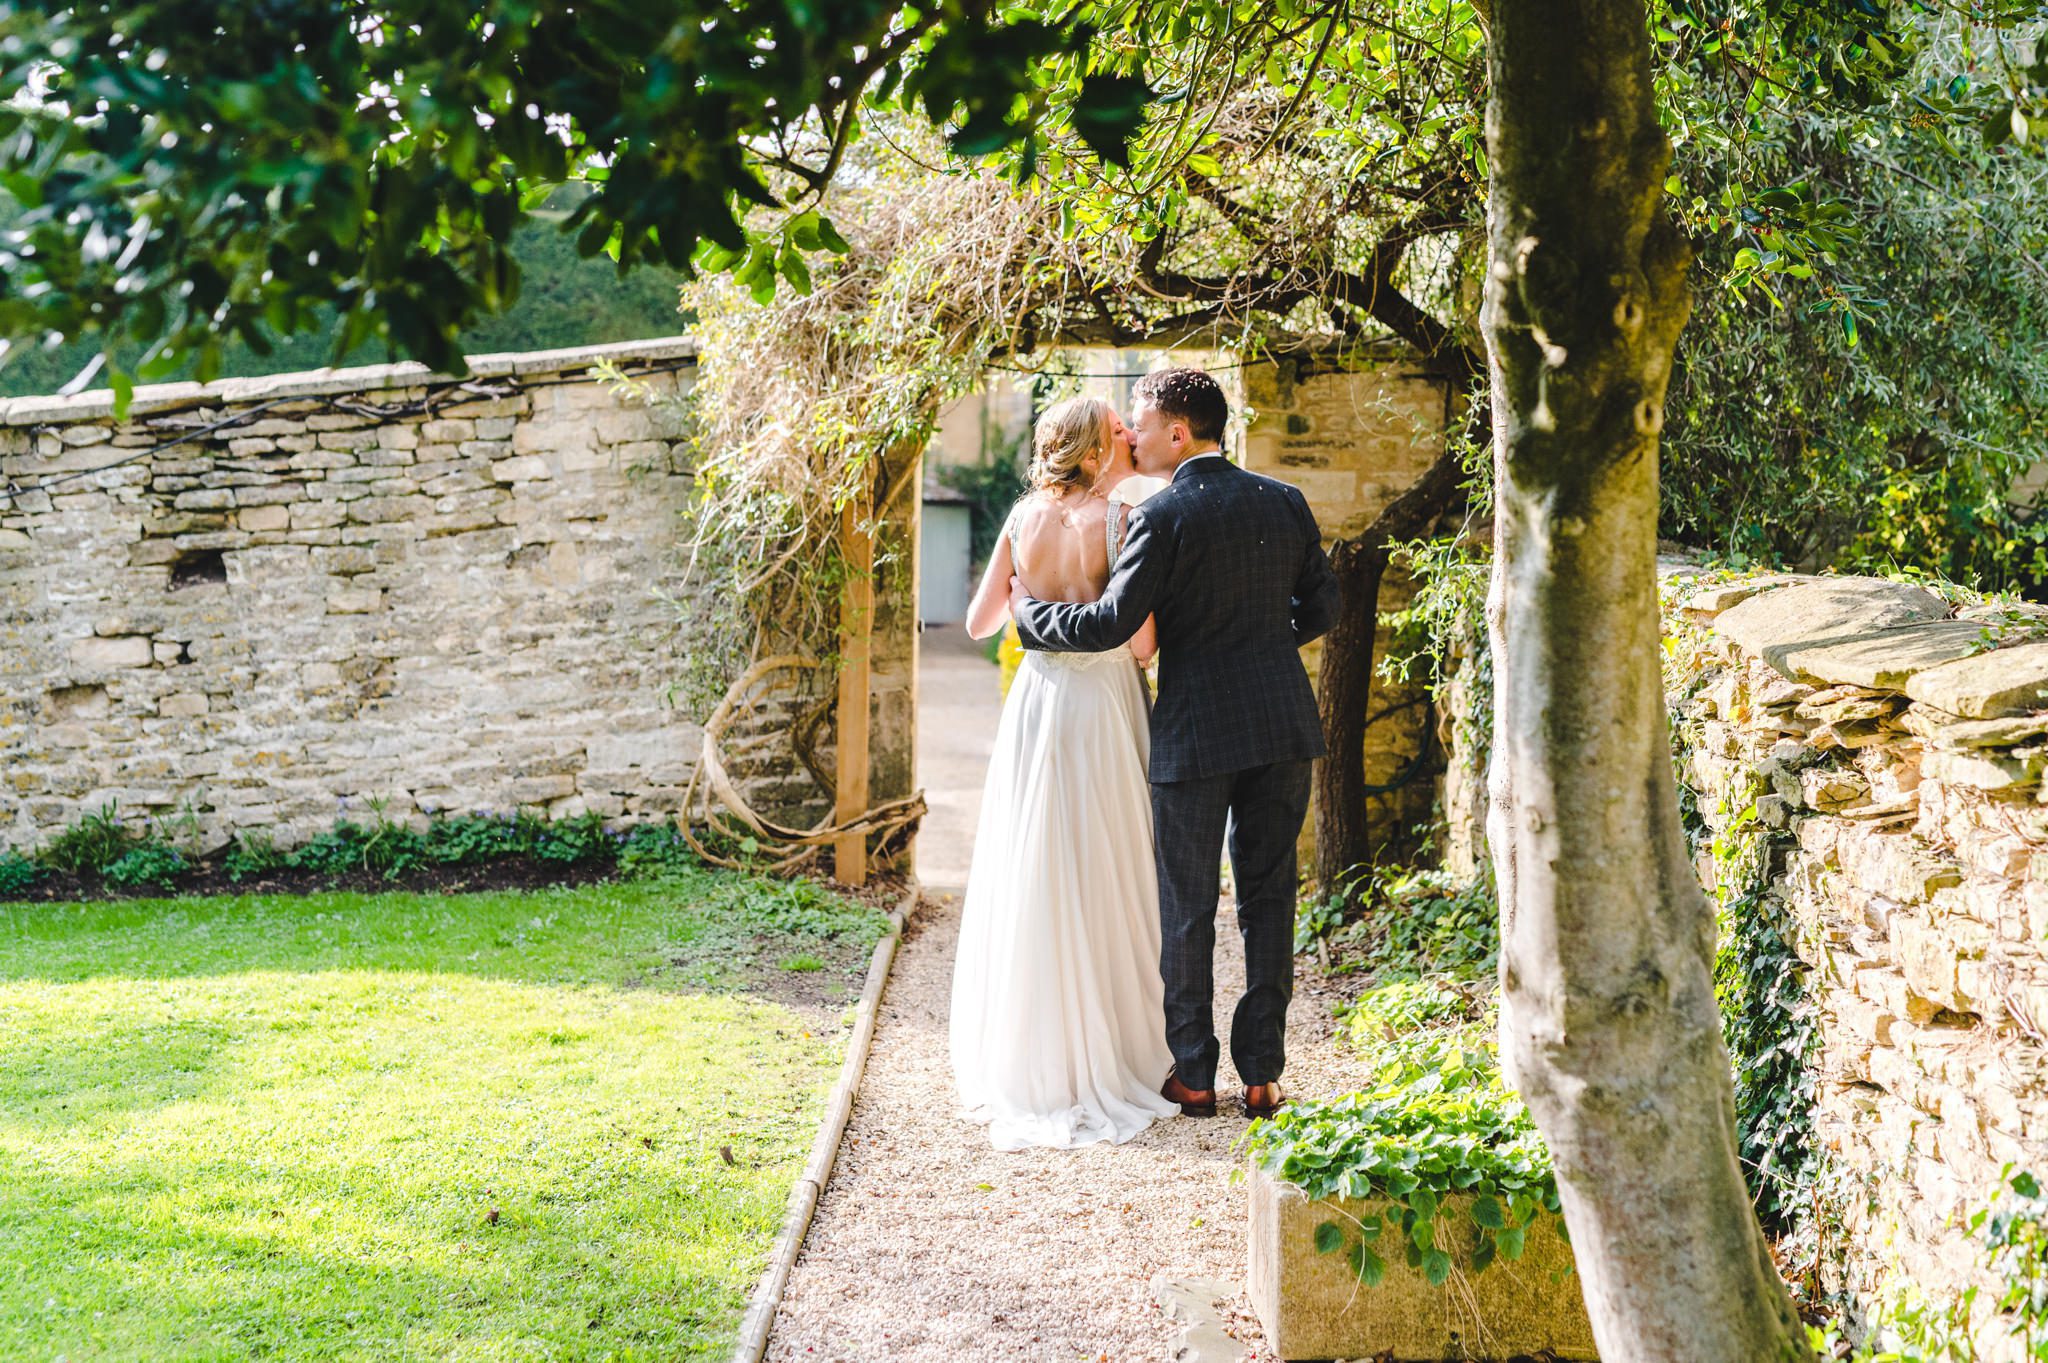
[2015, 1232]
[1767, 1017]
[1422, 1224]
[1449, 1155]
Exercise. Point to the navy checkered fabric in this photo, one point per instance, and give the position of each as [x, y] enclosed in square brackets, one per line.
[1232, 566]
[1260, 809]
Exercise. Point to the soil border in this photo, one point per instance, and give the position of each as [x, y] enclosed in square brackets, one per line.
[803, 1198]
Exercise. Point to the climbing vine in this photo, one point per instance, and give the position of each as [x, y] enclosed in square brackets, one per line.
[2015, 1231]
[812, 406]
[1768, 1017]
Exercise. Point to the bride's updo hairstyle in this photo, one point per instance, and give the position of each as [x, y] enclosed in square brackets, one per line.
[1066, 434]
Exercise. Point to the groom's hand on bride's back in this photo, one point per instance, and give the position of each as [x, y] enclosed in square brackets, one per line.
[1018, 595]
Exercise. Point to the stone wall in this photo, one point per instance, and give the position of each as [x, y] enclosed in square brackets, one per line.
[258, 598]
[1353, 439]
[1898, 748]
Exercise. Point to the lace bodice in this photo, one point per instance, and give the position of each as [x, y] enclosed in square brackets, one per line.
[1112, 524]
[1078, 662]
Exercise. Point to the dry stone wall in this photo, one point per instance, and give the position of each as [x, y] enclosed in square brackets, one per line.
[1898, 746]
[1352, 439]
[374, 584]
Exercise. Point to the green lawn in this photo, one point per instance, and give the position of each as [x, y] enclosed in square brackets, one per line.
[406, 1126]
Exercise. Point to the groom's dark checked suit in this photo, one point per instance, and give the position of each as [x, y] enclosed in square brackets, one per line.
[1232, 566]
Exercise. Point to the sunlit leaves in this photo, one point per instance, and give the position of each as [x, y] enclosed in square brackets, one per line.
[279, 155]
[1445, 1159]
[1738, 80]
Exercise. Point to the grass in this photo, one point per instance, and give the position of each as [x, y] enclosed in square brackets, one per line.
[502, 1126]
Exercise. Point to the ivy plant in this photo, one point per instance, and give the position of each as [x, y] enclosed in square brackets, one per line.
[1436, 1125]
[2014, 1228]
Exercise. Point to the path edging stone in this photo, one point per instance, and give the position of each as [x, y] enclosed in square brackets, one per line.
[803, 1198]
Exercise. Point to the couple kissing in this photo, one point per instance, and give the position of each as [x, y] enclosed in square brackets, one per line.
[1082, 1006]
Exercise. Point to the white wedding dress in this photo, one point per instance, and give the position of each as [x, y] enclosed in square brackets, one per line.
[1058, 1030]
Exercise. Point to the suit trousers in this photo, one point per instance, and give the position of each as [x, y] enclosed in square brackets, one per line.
[1260, 810]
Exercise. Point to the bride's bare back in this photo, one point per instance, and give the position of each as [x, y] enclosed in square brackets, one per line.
[1061, 547]
[1061, 540]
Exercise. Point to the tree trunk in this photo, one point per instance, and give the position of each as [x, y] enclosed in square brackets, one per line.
[1344, 676]
[1344, 690]
[1609, 1026]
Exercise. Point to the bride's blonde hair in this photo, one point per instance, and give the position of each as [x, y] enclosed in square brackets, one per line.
[1066, 434]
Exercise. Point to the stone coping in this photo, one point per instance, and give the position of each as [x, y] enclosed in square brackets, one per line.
[97, 404]
[1977, 663]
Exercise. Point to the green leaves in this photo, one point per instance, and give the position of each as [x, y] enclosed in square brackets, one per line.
[771, 258]
[384, 168]
[1767, 1023]
[2014, 1228]
[811, 232]
[1107, 112]
[1438, 1150]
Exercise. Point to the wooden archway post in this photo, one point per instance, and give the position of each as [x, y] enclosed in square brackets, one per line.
[856, 686]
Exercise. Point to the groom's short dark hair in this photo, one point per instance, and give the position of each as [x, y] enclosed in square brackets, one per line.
[1186, 395]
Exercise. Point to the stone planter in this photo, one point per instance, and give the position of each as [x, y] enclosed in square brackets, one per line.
[1313, 1307]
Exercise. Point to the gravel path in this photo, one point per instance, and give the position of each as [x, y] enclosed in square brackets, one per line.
[930, 1246]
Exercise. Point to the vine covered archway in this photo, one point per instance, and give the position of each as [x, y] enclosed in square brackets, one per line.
[819, 388]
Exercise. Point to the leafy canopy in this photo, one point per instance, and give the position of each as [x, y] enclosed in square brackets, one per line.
[189, 170]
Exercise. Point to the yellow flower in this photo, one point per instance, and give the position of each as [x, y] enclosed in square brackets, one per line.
[1010, 653]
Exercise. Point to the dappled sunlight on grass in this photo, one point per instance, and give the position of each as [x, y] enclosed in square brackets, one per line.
[476, 1127]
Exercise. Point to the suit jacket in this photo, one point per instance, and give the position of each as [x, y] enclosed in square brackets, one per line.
[1232, 565]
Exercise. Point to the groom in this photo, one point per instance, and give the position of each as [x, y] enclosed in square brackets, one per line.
[1232, 566]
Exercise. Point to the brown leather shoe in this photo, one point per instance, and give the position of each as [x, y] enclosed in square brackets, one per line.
[1263, 1100]
[1193, 1102]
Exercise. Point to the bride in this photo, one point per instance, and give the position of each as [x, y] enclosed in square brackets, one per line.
[1058, 1029]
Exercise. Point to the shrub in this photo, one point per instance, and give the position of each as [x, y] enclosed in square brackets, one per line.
[92, 844]
[1416, 923]
[254, 853]
[150, 863]
[1396, 1010]
[333, 853]
[654, 849]
[1436, 1123]
[17, 873]
[572, 840]
[391, 849]
[385, 846]
[460, 839]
